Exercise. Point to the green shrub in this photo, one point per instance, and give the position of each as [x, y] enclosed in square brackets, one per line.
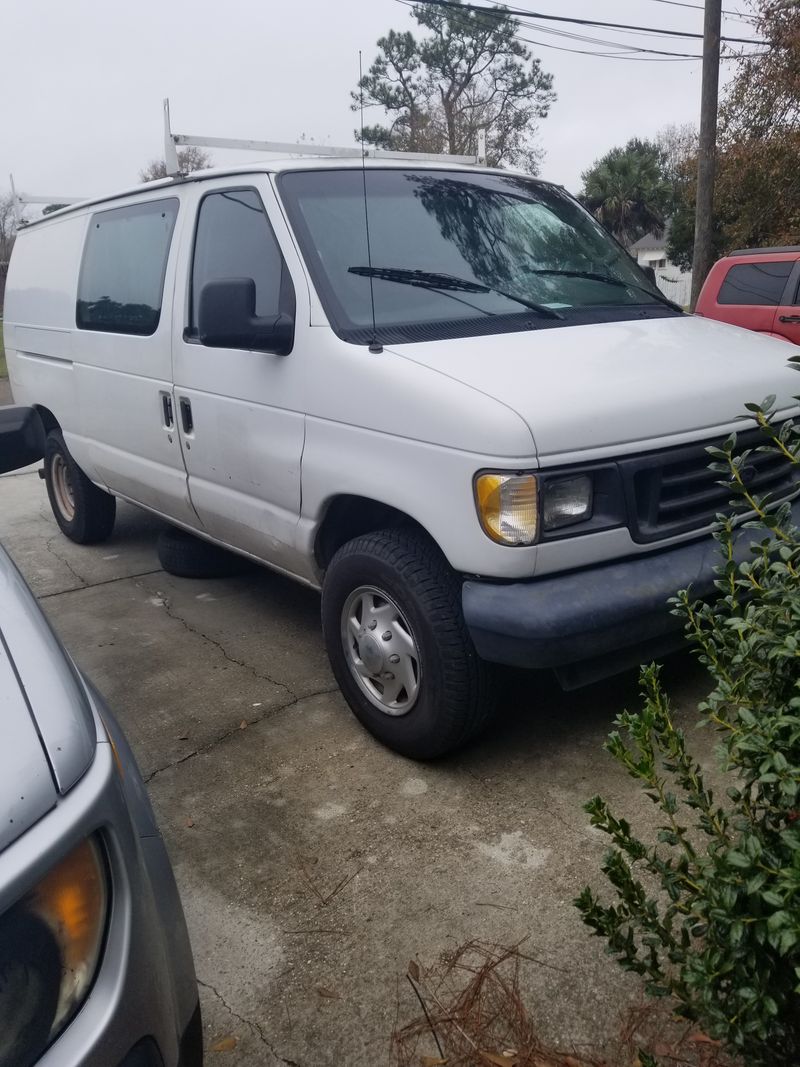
[709, 912]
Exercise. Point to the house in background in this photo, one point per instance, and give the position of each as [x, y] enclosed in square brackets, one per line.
[651, 251]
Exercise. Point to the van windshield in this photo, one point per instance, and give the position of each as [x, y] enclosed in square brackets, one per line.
[454, 253]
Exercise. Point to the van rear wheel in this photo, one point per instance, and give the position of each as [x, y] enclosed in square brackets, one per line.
[84, 512]
[399, 647]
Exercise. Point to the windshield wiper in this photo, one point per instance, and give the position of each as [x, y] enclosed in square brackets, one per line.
[609, 279]
[428, 279]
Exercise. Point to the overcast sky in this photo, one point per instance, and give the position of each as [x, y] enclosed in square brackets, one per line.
[81, 83]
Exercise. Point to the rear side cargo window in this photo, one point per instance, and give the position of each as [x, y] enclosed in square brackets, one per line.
[755, 283]
[124, 262]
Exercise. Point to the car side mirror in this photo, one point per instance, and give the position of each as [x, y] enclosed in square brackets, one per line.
[226, 318]
[650, 273]
[21, 438]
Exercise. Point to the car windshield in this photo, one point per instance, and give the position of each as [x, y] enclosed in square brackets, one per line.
[449, 249]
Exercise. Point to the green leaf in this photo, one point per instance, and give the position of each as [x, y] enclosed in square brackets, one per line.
[738, 859]
[709, 913]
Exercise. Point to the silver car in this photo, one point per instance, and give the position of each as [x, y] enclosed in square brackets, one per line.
[95, 963]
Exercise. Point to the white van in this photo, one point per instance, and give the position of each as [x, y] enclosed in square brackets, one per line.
[481, 432]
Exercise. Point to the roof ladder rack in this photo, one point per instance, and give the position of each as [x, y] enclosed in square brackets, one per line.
[173, 140]
[19, 201]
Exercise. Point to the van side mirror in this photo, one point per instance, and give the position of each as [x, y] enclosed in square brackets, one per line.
[226, 318]
[650, 272]
[21, 438]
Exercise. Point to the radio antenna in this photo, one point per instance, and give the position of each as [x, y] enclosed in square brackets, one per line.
[374, 346]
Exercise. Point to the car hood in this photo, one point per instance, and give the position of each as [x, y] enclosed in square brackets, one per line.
[48, 732]
[608, 388]
[27, 790]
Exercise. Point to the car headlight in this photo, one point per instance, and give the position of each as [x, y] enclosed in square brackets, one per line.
[507, 507]
[50, 944]
[566, 500]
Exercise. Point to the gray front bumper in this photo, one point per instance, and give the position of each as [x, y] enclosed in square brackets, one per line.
[599, 615]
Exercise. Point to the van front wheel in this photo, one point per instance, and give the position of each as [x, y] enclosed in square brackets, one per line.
[399, 647]
[85, 513]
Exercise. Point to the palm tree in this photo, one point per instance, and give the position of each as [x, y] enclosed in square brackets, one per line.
[626, 191]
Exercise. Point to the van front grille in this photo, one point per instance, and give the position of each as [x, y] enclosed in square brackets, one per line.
[673, 491]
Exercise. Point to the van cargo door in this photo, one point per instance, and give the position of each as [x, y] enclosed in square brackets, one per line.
[123, 357]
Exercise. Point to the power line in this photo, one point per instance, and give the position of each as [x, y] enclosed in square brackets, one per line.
[613, 55]
[699, 7]
[602, 42]
[622, 50]
[583, 38]
[626, 53]
[674, 57]
[526, 13]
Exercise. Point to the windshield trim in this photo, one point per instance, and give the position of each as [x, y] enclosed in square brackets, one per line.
[472, 326]
[495, 325]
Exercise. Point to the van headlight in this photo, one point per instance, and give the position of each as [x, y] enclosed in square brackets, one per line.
[50, 945]
[517, 509]
[508, 507]
[566, 500]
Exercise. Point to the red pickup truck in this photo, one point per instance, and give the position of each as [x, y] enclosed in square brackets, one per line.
[758, 288]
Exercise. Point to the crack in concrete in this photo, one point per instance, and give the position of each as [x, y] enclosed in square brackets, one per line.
[66, 562]
[237, 729]
[260, 675]
[97, 585]
[254, 1026]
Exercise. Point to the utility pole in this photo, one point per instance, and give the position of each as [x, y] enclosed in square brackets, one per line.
[706, 159]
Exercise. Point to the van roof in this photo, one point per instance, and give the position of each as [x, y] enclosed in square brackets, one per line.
[275, 166]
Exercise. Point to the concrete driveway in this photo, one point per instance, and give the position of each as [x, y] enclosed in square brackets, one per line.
[314, 863]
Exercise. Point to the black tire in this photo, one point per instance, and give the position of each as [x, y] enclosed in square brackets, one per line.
[455, 696]
[83, 512]
[186, 556]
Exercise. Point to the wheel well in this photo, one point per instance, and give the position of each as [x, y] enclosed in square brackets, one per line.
[49, 421]
[348, 517]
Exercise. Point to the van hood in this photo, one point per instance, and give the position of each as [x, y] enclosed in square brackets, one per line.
[620, 387]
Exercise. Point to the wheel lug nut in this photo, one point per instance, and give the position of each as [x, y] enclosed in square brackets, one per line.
[394, 659]
[387, 635]
[373, 624]
[388, 676]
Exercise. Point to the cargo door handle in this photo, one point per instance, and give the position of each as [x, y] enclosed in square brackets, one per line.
[186, 415]
[166, 404]
[789, 318]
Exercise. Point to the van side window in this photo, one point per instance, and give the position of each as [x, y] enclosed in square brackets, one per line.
[755, 283]
[121, 282]
[235, 240]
